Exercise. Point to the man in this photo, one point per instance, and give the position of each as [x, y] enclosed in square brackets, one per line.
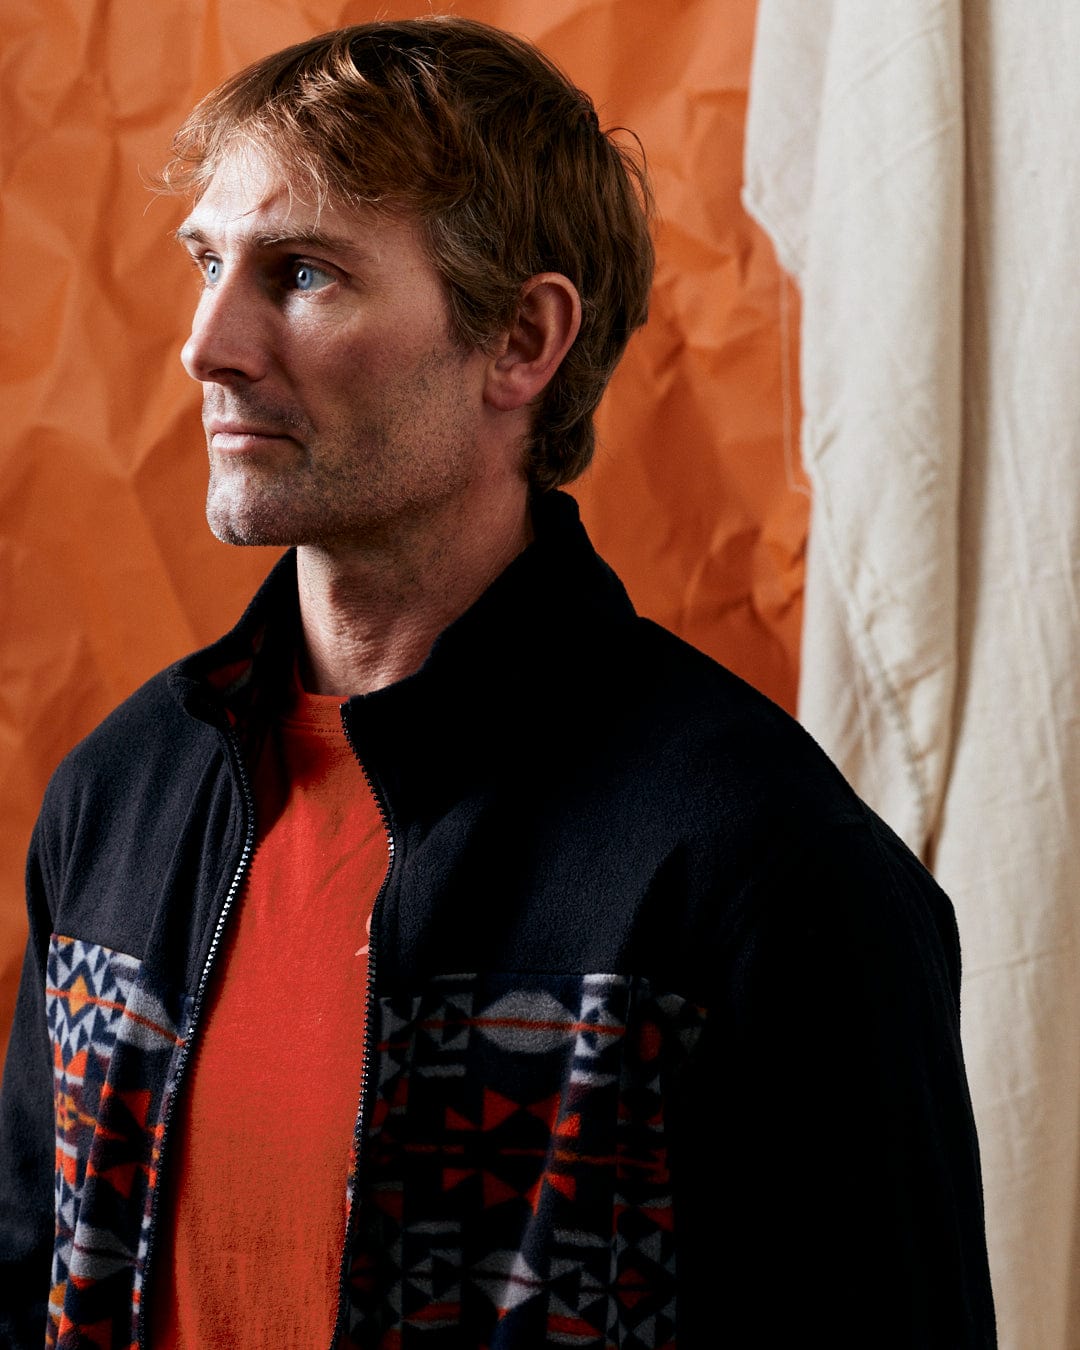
[447, 956]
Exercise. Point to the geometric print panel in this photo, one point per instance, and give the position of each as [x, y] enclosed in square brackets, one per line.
[514, 1187]
[113, 1046]
[87, 988]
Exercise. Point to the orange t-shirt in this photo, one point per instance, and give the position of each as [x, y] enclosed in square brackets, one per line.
[252, 1230]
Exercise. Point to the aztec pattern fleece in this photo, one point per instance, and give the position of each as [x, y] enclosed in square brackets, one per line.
[520, 1178]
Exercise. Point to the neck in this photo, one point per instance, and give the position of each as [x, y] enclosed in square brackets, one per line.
[371, 610]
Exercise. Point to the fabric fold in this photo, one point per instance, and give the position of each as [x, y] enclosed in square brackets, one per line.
[913, 161]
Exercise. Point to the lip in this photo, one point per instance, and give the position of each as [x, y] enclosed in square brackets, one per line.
[237, 437]
[218, 428]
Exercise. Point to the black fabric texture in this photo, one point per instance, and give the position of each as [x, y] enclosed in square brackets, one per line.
[571, 790]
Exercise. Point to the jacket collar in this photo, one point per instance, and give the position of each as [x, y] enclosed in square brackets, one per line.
[558, 595]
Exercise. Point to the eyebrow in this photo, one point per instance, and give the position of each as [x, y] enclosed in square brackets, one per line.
[299, 240]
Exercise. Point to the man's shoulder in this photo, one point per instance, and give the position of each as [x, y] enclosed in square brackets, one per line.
[181, 707]
[693, 712]
[664, 656]
[745, 827]
[136, 743]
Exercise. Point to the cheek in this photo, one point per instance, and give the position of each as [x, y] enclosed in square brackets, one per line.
[340, 359]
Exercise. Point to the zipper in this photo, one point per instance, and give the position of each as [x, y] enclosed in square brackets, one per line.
[369, 1045]
[196, 1009]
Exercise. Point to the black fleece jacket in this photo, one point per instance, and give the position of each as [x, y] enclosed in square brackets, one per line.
[663, 1021]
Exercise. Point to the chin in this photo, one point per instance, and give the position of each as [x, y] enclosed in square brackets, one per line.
[248, 528]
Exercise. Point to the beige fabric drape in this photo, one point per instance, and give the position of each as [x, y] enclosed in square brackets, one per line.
[915, 163]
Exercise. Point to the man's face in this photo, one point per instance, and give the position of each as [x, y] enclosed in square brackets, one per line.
[336, 404]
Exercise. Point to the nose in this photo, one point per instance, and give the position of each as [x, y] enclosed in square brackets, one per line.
[228, 340]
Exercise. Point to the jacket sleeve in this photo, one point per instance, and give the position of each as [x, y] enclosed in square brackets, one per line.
[840, 1182]
[27, 1147]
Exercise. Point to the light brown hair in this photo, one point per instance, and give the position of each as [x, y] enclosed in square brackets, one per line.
[481, 139]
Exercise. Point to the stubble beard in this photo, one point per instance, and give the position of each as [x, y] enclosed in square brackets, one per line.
[247, 499]
[304, 500]
[363, 483]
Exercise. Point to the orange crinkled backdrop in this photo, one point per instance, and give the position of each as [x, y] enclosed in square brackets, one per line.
[107, 571]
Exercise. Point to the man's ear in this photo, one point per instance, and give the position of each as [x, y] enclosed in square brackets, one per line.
[547, 322]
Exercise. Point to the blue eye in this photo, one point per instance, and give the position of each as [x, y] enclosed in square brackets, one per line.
[306, 277]
[212, 271]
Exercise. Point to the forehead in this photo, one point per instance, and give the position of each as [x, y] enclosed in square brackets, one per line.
[250, 200]
[244, 184]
